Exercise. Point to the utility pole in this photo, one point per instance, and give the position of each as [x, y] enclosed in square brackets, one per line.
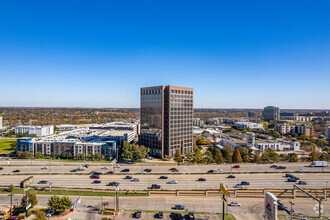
[49, 182]
[11, 203]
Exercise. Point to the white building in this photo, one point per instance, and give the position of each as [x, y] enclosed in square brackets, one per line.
[198, 122]
[66, 127]
[250, 125]
[277, 146]
[0, 122]
[39, 131]
[298, 118]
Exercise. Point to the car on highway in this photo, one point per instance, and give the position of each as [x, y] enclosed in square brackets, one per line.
[175, 171]
[104, 168]
[210, 171]
[117, 166]
[125, 170]
[110, 172]
[1, 168]
[172, 169]
[155, 186]
[237, 166]
[302, 182]
[238, 186]
[295, 177]
[147, 170]
[113, 184]
[201, 179]
[292, 180]
[301, 170]
[43, 182]
[44, 168]
[135, 180]
[231, 177]
[163, 177]
[86, 165]
[159, 215]
[273, 166]
[234, 204]
[245, 183]
[128, 177]
[96, 182]
[16, 171]
[288, 175]
[95, 176]
[142, 171]
[172, 182]
[49, 213]
[218, 170]
[281, 167]
[74, 170]
[80, 169]
[179, 207]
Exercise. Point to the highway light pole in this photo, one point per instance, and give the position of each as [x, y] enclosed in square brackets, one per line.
[49, 182]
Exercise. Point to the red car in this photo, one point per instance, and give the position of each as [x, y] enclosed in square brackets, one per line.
[172, 169]
[237, 166]
[110, 172]
[95, 177]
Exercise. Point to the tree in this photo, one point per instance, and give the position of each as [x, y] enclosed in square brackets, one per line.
[237, 156]
[227, 156]
[283, 157]
[256, 158]
[10, 188]
[38, 155]
[323, 157]
[178, 156]
[208, 157]
[40, 215]
[198, 156]
[59, 204]
[189, 157]
[32, 199]
[313, 156]
[303, 137]
[218, 156]
[265, 124]
[246, 159]
[293, 157]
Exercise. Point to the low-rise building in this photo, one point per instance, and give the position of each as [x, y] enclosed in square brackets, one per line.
[39, 131]
[277, 146]
[300, 129]
[251, 125]
[66, 127]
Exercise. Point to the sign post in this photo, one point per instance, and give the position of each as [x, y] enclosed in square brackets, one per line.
[224, 191]
[270, 206]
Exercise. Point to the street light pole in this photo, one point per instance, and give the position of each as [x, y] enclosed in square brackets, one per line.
[49, 182]
[11, 203]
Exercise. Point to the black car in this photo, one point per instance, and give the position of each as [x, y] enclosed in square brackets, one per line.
[1, 168]
[128, 177]
[302, 182]
[163, 177]
[273, 166]
[295, 177]
[191, 215]
[16, 171]
[210, 171]
[159, 215]
[113, 184]
[201, 179]
[125, 170]
[155, 186]
[147, 170]
[96, 181]
[43, 182]
[74, 170]
[288, 175]
[245, 183]
[176, 216]
[281, 167]
[231, 176]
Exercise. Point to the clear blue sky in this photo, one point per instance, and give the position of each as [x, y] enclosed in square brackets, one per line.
[235, 54]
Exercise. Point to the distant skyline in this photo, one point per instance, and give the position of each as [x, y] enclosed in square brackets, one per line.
[235, 54]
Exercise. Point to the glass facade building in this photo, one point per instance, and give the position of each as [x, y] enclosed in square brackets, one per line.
[166, 120]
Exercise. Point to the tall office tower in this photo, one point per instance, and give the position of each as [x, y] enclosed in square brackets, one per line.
[166, 120]
[271, 113]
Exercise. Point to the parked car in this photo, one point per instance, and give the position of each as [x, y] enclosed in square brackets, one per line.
[125, 170]
[245, 183]
[234, 204]
[237, 166]
[159, 215]
[176, 216]
[201, 179]
[16, 171]
[44, 168]
[273, 166]
[128, 177]
[301, 170]
[113, 184]
[172, 182]
[135, 180]
[155, 186]
[179, 207]
[43, 182]
[104, 168]
[231, 176]
[138, 214]
[302, 182]
[96, 181]
[191, 215]
[147, 170]
[49, 213]
[292, 180]
[95, 176]
[163, 177]
[238, 186]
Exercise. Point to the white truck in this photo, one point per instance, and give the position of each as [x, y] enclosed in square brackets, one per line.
[319, 164]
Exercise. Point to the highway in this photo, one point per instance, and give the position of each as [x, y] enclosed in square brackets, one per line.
[185, 181]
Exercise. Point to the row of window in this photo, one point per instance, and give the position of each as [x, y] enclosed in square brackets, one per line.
[181, 91]
[153, 91]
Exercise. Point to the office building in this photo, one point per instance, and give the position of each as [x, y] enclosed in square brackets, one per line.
[39, 131]
[271, 113]
[252, 114]
[166, 120]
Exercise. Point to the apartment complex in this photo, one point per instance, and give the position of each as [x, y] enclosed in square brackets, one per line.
[166, 120]
[39, 131]
[271, 113]
[298, 129]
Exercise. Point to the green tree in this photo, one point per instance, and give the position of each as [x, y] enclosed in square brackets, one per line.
[246, 159]
[10, 188]
[313, 156]
[59, 204]
[38, 155]
[323, 157]
[208, 157]
[40, 215]
[218, 156]
[198, 156]
[283, 157]
[264, 157]
[190, 157]
[256, 158]
[227, 156]
[32, 199]
[303, 137]
[237, 156]
[293, 157]
[178, 156]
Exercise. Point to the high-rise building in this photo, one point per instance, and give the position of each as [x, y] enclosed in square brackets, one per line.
[271, 113]
[166, 120]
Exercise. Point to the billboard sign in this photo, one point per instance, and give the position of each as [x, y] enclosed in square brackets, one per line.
[270, 206]
[224, 189]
